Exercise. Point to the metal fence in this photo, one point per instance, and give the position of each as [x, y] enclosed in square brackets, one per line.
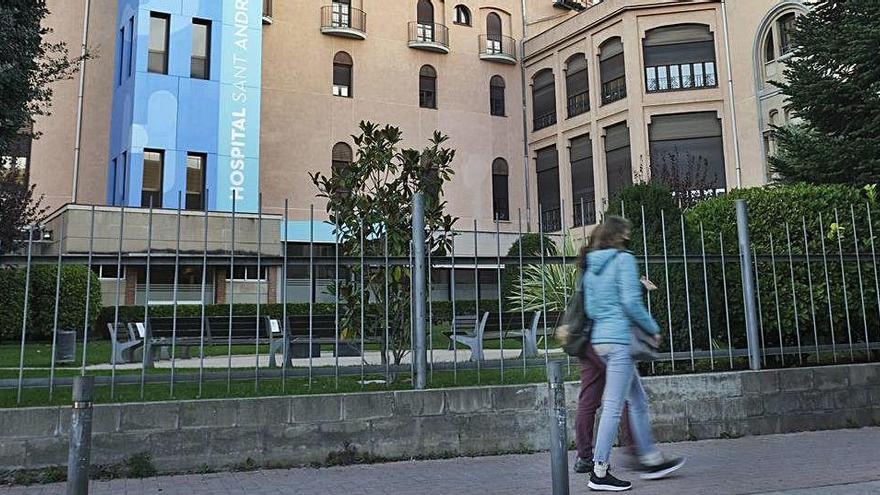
[323, 314]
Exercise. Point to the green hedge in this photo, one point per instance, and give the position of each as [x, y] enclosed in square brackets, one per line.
[41, 301]
[772, 209]
[441, 310]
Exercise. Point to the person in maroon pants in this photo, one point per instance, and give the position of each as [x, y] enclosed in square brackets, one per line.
[589, 399]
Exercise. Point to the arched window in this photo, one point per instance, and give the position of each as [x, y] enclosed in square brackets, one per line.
[679, 57]
[785, 27]
[342, 69]
[425, 20]
[769, 51]
[427, 87]
[612, 71]
[341, 156]
[496, 96]
[462, 15]
[493, 33]
[577, 86]
[500, 201]
[543, 100]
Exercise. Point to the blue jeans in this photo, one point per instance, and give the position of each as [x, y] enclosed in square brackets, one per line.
[622, 384]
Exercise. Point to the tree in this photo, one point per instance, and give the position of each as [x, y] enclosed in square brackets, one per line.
[30, 65]
[371, 202]
[833, 85]
[18, 208]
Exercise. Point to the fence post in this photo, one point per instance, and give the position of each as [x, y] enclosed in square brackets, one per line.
[418, 227]
[79, 453]
[558, 430]
[742, 230]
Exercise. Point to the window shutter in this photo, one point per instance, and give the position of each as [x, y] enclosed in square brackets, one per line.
[684, 126]
[616, 136]
[547, 159]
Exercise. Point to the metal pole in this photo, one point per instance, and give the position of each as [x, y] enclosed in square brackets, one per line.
[558, 429]
[147, 361]
[116, 303]
[174, 298]
[88, 290]
[418, 227]
[204, 296]
[79, 453]
[742, 230]
[24, 311]
[55, 316]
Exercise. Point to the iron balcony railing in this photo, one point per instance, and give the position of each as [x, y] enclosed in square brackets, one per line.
[613, 90]
[676, 77]
[551, 219]
[497, 46]
[578, 104]
[542, 121]
[342, 16]
[428, 33]
[584, 213]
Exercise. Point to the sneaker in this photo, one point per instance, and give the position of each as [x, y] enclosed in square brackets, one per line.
[608, 483]
[662, 470]
[583, 466]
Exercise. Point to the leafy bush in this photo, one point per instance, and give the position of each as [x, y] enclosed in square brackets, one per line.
[814, 219]
[41, 301]
[531, 246]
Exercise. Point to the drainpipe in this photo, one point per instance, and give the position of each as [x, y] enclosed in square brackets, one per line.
[732, 99]
[79, 99]
[525, 125]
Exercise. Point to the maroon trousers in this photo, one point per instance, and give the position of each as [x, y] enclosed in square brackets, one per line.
[589, 400]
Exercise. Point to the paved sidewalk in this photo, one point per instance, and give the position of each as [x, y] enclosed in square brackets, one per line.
[833, 463]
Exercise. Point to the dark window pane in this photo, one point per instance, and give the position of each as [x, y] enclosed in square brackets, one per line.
[547, 165]
[195, 181]
[496, 100]
[427, 92]
[157, 60]
[151, 189]
[201, 50]
[543, 100]
[617, 158]
[687, 151]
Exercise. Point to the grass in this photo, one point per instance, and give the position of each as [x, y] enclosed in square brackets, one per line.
[273, 387]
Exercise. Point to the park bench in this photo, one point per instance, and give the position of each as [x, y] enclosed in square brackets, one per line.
[186, 334]
[509, 326]
[305, 343]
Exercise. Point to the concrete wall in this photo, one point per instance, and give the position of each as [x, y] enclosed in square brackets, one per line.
[488, 420]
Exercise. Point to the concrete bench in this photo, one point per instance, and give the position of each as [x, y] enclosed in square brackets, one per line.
[468, 332]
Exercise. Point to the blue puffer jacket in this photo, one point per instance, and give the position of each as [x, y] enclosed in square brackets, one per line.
[613, 297]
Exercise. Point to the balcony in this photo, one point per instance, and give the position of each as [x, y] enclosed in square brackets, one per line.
[267, 11]
[613, 90]
[342, 20]
[542, 121]
[551, 219]
[677, 77]
[578, 104]
[429, 36]
[498, 48]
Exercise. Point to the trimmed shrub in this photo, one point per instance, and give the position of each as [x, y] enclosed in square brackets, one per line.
[41, 302]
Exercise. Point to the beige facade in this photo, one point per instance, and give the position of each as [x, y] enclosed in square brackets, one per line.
[302, 120]
[743, 86]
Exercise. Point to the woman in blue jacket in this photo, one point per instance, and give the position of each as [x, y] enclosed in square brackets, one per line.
[613, 299]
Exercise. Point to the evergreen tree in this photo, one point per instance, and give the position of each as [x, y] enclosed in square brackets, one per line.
[833, 85]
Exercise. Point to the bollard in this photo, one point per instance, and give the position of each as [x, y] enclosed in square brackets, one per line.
[558, 430]
[79, 455]
[752, 338]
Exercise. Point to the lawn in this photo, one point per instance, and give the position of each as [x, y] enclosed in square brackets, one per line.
[273, 387]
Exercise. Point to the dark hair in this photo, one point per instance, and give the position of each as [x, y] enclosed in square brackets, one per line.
[610, 234]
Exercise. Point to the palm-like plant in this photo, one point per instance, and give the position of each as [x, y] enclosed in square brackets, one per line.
[548, 286]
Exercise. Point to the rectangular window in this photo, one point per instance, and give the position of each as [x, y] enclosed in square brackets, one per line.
[151, 191]
[427, 92]
[157, 61]
[496, 100]
[582, 186]
[114, 199]
[130, 46]
[618, 164]
[124, 185]
[200, 62]
[195, 181]
[108, 272]
[500, 207]
[341, 80]
[121, 64]
[547, 165]
[247, 273]
[687, 152]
